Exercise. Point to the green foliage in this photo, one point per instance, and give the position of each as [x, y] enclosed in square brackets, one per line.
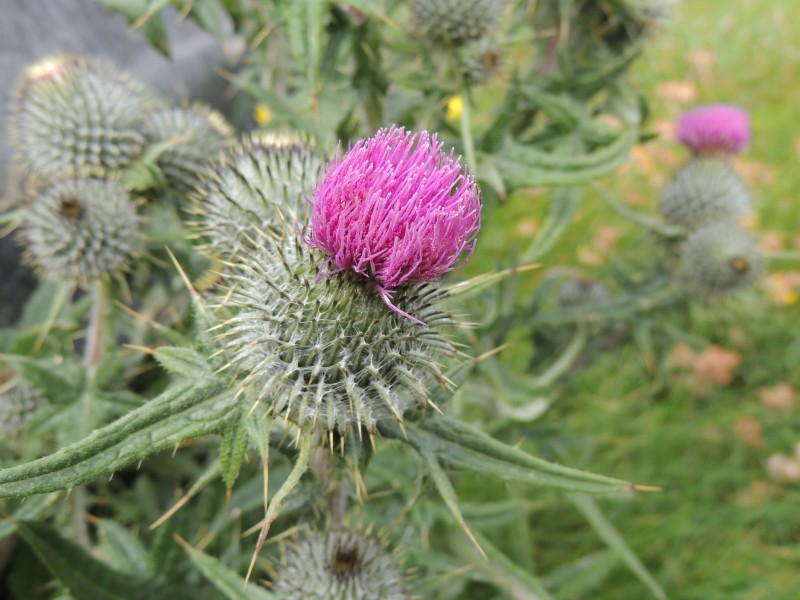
[313, 403]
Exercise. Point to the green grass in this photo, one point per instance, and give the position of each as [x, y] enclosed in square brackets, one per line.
[705, 536]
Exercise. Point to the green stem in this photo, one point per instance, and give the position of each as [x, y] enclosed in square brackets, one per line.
[466, 134]
[95, 335]
[96, 330]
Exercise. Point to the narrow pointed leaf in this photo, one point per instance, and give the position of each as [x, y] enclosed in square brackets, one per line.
[227, 581]
[183, 362]
[124, 550]
[606, 531]
[463, 447]
[182, 412]
[82, 574]
[519, 583]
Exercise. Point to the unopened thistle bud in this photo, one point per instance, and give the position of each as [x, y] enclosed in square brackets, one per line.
[342, 565]
[714, 129]
[455, 22]
[718, 259]
[240, 193]
[76, 115]
[397, 210]
[310, 337]
[704, 190]
[479, 60]
[193, 137]
[81, 229]
[582, 292]
[19, 402]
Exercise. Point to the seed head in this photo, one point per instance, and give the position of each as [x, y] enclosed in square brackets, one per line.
[704, 190]
[194, 136]
[396, 210]
[342, 565]
[718, 259]
[71, 115]
[80, 229]
[714, 129]
[317, 351]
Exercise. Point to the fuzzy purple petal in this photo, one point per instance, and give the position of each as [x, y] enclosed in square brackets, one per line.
[396, 209]
[716, 128]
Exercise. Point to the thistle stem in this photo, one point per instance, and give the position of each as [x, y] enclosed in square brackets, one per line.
[466, 134]
[92, 352]
[95, 331]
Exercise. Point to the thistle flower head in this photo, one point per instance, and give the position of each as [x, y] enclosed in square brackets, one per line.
[71, 115]
[344, 565]
[718, 259]
[704, 190]
[80, 229]
[455, 22]
[397, 210]
[319, 352]
[192, 136]
[714, 129]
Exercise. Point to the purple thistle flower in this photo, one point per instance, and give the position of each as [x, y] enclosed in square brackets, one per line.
[397, 210]
[714, 129]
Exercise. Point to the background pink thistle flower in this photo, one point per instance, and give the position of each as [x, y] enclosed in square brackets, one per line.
[716, 128]
[397, 210]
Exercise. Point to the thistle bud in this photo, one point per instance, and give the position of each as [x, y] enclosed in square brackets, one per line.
[19, 402]
[704, 190]
[582, 292]
[80, 229]
[240, 192]
[714, 129]
[192, 137]
[76, 115]
[315, 342]
[342, 565]
[719, 259]
[455, 22]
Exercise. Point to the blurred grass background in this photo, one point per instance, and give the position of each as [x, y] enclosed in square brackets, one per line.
[722, 527]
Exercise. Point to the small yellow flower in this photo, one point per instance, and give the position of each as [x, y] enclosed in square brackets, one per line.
[262, 114]
[789, 297]
[454, 107]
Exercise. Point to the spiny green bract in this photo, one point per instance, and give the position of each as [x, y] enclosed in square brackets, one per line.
[455, 22]
[342, 565]
[318, 350]
[719, 258]
[77, 115]
[704, 190]
[192, 137]
[19, 401]
[80, 229]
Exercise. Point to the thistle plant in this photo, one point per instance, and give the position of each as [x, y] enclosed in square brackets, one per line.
[81, 230]
[74, 115]
[340, 564]
[317, 344]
